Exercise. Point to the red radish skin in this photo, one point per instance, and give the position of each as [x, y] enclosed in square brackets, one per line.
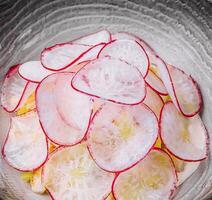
[91, 151]
[99, 68]
[10, 164]
[172, 192]
[161, 90]
[174, 154]
[11, 72]
[172, 91]
[61, 118]
[72, 61]
[143, 70]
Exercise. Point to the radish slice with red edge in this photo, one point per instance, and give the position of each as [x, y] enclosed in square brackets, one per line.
[182, 89]
[13, 89]
[33, 71]
[128, 50]
[70, 173]
[103, 36]
[185, 138]
[111, 79]
[153, 101]
[120, 136]
[26, 146]
[129, 36]
[152, 178]
[64, 113]
[61, 56]
[155, 83]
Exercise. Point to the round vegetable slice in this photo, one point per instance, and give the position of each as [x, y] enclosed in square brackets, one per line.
[153, 101]
[13, 89]
[33, 71]
[179, 85]
[152, 178]
[70, 173]
[128, 50]
[186, 138]
[111, 79]
[26, 146]
[129, 36]
[155, 83]
[64, 113]
[61, 56]
[120, 136]
[95, 38]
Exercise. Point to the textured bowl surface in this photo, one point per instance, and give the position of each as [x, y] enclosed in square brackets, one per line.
[179, 30]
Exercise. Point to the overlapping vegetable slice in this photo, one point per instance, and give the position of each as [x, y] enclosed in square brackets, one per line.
[179, 85]
[63, 112]
[155, 83]
[103, 36]
[12, 90]
[128, 50]
[33, 71]
[70, 173]
[120, 136]
[152, 178]
[186, 138]
[111, 79]
[153, 101]
[26, 146]
[61, 56]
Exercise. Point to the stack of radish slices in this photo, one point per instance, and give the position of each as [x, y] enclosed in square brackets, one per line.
[103, 117]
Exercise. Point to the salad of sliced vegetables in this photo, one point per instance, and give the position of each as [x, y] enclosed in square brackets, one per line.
[103, 117]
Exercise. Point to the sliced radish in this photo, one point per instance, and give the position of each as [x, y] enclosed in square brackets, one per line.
[129, 36]
[152, 178]
[179, 85]
[61, 56]
[120, 136]
[26, 146]
[155, 83]
[70, 173]
[111, 79]
[77, 67]
[189, 169]
[103, 36]
[13, 89]
[154, 101]
[63, 112]
[186, 138]
[33, 71]
[128, 50]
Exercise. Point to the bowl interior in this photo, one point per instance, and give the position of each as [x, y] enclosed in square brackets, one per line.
[178, 31]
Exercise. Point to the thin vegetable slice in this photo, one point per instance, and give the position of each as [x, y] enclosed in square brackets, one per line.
[155, 83]
[154, 101]
[128, 50]
[152, 178]
[111, 79]
[33, 71]
[26, 146]
[12, 90]
[70, 173]
[179, 85]
[120, 136]
[186, 138]
[61, 56]
[95, 38]
[63, 112]
[129, 36]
